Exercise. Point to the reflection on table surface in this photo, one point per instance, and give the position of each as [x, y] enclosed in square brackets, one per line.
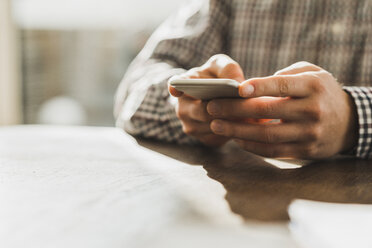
[96, 187]
[261, 190]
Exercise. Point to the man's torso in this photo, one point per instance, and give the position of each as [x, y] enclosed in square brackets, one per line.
[267, 35]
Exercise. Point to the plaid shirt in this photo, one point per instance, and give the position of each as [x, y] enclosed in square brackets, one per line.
[263, 36]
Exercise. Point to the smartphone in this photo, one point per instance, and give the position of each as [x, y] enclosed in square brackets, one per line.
[207, 88]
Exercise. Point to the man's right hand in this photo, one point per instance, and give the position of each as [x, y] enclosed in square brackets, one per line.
[193, 112]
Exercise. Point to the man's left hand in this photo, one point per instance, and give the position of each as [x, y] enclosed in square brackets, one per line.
[318, 118]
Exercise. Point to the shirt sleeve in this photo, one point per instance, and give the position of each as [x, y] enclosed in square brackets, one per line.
[362, 97]
[143, 106]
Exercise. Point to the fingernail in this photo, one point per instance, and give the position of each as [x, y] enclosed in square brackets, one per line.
[213, 108]
[247, 90]
[217, 127]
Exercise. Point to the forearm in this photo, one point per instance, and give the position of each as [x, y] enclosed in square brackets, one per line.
[143, 106]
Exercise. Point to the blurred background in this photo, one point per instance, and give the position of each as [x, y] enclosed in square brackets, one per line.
[61, 61]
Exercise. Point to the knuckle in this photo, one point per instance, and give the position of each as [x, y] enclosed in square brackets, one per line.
[189, 130]
[316, 84]
[198, 111]
[303, 63]
[314, 111]
[310, 150]
[181, 112]
[231, 130]
[216, 57]
[231, 66]
[231, 69]
[205, 71]
[221, 56]
[268, 135]
[264, 109]
[314, 133]
[319, 111]
[283, 86]
[259, 88]
[193, 73]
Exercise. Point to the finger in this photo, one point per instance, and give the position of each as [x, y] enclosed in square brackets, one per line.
[196, 128]
[297, 68]
[174, 92]
[299, 85]
[265, 133]
[222, 66]
[283, 150]
[198, 72]
[258, 108]
[194, 109]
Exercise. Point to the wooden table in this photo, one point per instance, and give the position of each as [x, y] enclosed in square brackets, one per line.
[98, 187]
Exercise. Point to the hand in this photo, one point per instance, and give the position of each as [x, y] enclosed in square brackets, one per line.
[318, 118]
[193, 112]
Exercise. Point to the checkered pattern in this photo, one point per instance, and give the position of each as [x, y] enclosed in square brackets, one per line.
[363, 100]
[263, 36]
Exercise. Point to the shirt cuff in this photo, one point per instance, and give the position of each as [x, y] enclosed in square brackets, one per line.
[362, 97]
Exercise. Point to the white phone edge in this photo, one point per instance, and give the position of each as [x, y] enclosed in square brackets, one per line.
[204, 81]
[207, 89]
